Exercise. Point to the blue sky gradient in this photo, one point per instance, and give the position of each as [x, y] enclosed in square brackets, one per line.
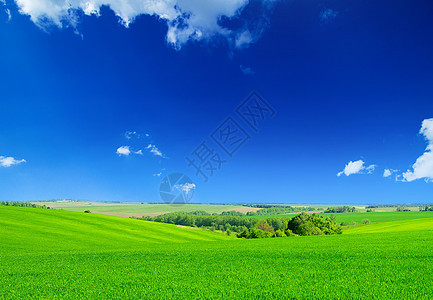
[349, 81]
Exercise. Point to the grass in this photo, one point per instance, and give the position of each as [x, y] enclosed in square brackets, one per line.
[412, 225]
[380, 216]
[49, 230]
[372, 216]
[65, 255]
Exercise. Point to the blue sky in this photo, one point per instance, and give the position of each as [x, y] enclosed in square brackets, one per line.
[351, 84]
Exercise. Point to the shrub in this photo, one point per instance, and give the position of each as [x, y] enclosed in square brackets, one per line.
[279, 233]
[288, 232]
[308, 228]
[366, 221]
[244, 233]
[87, 212]
[402, 208]
[312, 224]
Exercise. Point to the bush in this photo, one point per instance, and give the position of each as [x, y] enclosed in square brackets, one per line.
[308, 228]
[244, 233]
[288, 232]
[366, 221]
[279, 233]
[232, 213]
[87, 212]
[312, 224]
[426, 208]
[402, 208]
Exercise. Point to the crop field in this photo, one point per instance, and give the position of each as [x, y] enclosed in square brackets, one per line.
[373, 217]
[60, 254]
[380, 216]
[138, 209]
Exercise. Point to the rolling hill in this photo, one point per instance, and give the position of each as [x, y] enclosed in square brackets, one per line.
[53, 254]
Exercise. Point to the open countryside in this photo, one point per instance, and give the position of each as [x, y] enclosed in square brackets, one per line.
[52, 253]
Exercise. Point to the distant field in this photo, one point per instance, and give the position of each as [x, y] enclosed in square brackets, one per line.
[371, 216]
[414, 225]
[134, 209]
[381, 216]
[139, 210]
[59, 254]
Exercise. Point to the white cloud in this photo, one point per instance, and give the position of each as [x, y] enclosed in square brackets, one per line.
[124, 150]
[130, 134]
[357, 167]
[388, 172]
[423, 166]
[243, 39]
[127, 150]
[370, 169]
[186, 19]
[185, 188]
[7, 161]
[153, 149]
[188, 187]
[247, 70]
[159, 173]
[7, 10]
[328, 15]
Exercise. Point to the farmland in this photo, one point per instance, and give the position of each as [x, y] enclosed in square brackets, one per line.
[139, 209]
[372, 217]
[61, 254]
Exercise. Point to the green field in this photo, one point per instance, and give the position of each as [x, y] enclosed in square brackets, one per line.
[371, 216]
[380, 216]
[59, 254]
[138, 209]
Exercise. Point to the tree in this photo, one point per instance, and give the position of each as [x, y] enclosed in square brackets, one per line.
[308, 228]
[244, 233]
[312, 224]
[264, 225]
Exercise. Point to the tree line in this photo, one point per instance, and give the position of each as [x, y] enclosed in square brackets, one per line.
[426, 208]
[301, 224]
[340, 209]
[22, 204]
[269, 209]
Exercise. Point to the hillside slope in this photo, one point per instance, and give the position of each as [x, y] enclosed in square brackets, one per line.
[32, 229]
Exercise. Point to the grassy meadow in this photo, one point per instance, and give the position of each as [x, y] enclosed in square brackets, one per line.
[373, 217]
[55, 254]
